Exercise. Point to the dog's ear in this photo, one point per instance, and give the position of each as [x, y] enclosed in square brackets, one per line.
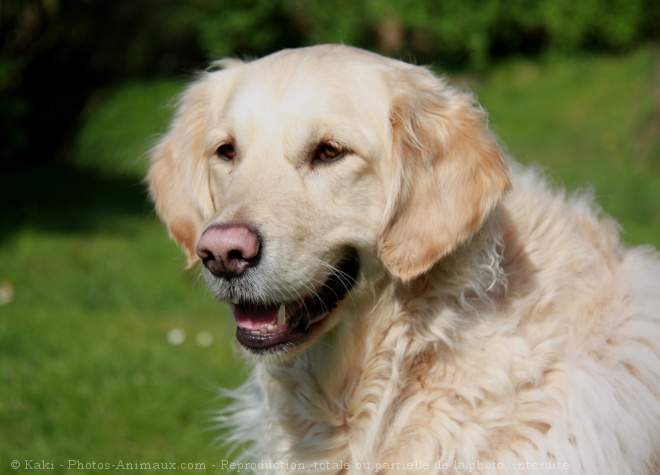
[449, 173]
[179, 175]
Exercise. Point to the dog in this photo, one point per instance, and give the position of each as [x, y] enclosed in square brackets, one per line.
[413, 300]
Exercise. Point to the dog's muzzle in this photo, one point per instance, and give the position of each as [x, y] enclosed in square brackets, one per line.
[266, 325]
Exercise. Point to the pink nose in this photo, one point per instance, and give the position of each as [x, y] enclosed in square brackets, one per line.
[227, 250]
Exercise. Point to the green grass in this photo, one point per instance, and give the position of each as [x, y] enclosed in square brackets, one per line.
[86, 369]
[590, 122]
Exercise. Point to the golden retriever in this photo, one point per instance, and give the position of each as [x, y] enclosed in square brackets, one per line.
[414, 301]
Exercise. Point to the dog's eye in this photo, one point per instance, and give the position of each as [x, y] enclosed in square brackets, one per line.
[226, 152]
[328, 152]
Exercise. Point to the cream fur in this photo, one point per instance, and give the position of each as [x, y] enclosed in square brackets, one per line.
[498, 325]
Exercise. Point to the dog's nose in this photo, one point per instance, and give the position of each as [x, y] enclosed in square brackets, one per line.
[228, 250]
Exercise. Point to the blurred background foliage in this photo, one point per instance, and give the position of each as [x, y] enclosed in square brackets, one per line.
[55, 53]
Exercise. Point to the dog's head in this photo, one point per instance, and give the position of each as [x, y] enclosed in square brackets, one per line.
[300, 179]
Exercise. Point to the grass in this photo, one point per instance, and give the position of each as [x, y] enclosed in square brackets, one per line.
[593, 122]
[86, 369]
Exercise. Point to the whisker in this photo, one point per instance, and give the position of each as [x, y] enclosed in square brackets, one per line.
[345, 279]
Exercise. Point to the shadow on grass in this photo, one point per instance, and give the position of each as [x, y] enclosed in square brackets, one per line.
[62, 198]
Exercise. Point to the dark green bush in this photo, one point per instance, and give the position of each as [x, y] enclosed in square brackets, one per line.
[458, 32]
[54, 53]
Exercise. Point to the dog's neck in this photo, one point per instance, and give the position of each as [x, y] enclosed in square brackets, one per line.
[375, 338]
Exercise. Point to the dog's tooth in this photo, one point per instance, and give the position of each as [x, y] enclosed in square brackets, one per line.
[281, 315]
[234, 300]
[271, 328]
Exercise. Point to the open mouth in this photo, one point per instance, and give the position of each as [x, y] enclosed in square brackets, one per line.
[284, 325]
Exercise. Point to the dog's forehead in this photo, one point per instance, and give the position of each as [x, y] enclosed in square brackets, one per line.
[310, 84]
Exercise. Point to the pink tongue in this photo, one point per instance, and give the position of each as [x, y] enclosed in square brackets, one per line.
[250, 317]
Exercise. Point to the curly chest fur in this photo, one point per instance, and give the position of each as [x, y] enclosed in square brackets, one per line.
[410, 404]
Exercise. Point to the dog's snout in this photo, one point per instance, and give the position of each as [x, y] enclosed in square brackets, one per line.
[228, 250]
